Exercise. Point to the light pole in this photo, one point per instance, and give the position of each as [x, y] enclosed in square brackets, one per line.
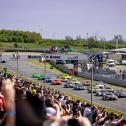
[92, 71]
[1, 59]
[87, 42]
[100, 59]
[92, 76]
[45, 72]
[116, 42]
[17, 62]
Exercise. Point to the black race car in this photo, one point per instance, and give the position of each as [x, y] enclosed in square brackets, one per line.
[109, 96]
[68, 85]
[79, 87]
[120, 93]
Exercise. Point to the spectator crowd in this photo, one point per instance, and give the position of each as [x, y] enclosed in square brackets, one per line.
[24, 103]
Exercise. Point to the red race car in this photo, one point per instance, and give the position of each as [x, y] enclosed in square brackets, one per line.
[56, 82]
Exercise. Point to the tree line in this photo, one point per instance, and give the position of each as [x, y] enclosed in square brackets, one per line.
[19, 36]
[94, 42]
[33, 37]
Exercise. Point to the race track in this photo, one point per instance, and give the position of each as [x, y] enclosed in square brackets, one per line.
[26, 69]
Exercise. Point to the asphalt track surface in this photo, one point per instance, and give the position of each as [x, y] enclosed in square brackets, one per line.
[26, 69]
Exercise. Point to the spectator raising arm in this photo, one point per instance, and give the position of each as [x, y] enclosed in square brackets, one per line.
[9, 94]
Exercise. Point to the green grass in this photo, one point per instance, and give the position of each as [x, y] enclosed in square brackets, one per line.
[8, 45]
[48, 65]
[83, 49]
[46, 45]
[117, 87]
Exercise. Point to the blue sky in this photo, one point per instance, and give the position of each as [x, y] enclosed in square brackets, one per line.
[60, 18]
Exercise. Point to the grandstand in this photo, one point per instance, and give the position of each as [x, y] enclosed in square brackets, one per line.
[37, 105]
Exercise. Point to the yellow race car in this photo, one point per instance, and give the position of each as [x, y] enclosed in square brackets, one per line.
[64, 77]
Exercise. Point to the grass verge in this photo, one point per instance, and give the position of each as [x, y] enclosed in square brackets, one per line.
[48, 66]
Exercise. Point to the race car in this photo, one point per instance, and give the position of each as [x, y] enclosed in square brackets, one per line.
[109, 88]
[37, 75]
[120, 93]
[56, 82]
[68, 85]
[47, 79]
[94, 88]
[64, 77]
[109, 96]
[100, 92]
[87, 82]
[74, 81]
[79, 87]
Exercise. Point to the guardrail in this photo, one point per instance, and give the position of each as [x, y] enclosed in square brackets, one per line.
[104, 79]
[60, 67]
[96, 77]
